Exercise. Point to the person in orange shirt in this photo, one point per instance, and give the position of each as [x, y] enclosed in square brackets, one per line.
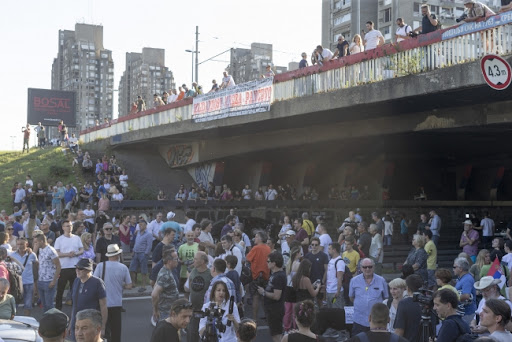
[181, 95]
[259, 268]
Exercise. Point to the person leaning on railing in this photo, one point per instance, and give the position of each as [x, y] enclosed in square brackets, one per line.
[477, 11]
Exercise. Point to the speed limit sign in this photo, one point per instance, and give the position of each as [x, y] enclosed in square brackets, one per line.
[497, 72]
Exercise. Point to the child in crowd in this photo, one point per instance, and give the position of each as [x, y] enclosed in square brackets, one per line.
[231, 262]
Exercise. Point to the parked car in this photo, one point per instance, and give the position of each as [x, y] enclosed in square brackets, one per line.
[20, 329]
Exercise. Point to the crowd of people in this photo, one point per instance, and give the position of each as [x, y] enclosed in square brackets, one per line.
[301, 273]
[200, 193]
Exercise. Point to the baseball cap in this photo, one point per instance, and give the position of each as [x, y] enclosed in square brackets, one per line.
[53, 323]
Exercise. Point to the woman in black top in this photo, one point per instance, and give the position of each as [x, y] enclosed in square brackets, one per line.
[304, 317]
[302, 283]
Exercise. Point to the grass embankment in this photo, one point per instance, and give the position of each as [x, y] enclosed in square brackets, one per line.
[45, 166]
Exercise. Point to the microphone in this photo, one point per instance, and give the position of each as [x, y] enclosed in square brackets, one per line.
[231, 304]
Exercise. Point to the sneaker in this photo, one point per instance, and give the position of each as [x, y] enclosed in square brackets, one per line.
[142, 289]
[153, 322]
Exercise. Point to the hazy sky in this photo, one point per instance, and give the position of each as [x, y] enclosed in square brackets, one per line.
[31, 36]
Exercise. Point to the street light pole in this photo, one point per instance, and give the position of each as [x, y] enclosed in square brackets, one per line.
[197, 52]
[192, 54]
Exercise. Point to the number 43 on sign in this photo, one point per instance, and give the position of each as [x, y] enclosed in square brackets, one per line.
[496, 71]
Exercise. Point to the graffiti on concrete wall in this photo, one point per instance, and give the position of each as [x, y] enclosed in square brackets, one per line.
[203, 173]
[180, 155]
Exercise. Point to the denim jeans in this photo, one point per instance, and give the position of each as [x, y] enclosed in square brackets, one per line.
[28, 291]
[46, 294]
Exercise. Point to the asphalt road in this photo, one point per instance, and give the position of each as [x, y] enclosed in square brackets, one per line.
[136, 325]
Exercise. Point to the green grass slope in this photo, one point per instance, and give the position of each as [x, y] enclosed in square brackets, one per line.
[45, 166]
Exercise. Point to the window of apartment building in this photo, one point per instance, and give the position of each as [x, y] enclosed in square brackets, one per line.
[417, 8]
[342, 19]
[459, 11]
[387, 15]
[387, 2]
[415, 24]
[434, 9]
[386, 32]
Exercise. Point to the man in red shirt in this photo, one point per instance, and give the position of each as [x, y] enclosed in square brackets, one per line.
[258, 259]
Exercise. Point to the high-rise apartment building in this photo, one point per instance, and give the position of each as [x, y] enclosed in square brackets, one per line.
[348, 17]
[249, 64]
[83, 65]
[145, 75]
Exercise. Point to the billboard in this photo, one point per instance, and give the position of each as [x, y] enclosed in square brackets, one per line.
[50, 106]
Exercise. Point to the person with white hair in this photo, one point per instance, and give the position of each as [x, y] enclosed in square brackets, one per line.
[465, 286]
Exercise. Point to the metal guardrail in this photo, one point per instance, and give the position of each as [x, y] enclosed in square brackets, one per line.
[320, 204]
[428, 52]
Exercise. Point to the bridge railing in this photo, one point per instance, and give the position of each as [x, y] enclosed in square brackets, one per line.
[439, 49]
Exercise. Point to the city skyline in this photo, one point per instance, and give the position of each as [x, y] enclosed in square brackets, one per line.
[34, 45]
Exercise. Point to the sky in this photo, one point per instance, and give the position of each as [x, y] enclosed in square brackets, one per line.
[31, 39]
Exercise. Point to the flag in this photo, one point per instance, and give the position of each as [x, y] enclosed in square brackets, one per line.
[496, 271]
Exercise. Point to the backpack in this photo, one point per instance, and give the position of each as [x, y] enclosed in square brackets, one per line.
[246, 275]
[347, 275]
[465, 337]
[364, 338]
[15, 282]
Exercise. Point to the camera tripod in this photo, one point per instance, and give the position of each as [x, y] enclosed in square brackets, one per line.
[426, 325]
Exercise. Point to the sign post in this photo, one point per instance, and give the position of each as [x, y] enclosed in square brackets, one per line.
[497, 72]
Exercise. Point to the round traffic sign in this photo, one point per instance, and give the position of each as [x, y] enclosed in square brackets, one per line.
[497, 71]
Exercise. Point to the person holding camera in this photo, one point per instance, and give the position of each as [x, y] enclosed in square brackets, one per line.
[445, 305]
[408, 313]
[476, 11]
[220, 298]
[403, 31]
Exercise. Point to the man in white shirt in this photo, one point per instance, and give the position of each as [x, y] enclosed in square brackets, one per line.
[227, 81]
[403, 30]
[323, 54]
[325, 239]
[271, 193]
[154, 227]
[487, 226]
[89, 214]
[372, 38]
[190, 222]
[68, 247]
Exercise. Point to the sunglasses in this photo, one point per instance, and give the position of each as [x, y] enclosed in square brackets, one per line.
[367, 267]
[80, 269]
[180, 307]
[107, 228]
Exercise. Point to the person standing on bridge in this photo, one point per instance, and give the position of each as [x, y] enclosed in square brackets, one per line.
[303, 62]
[227, 81]
[373, 38]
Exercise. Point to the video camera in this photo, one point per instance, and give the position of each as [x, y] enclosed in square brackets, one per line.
[213, 315]
[424, 297]
[462, 17]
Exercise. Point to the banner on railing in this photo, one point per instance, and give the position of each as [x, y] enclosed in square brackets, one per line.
[494, 21]
[243, 99]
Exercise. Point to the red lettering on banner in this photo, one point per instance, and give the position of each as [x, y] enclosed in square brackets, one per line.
[51, 103]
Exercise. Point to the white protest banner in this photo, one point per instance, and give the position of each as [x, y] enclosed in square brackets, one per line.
[243, 99]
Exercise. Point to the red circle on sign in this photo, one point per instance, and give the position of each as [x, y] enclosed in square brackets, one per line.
[493, 85]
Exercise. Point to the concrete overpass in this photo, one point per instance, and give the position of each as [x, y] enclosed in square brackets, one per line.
[366, 116]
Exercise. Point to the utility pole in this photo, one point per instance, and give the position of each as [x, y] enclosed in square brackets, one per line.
[196, 52]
